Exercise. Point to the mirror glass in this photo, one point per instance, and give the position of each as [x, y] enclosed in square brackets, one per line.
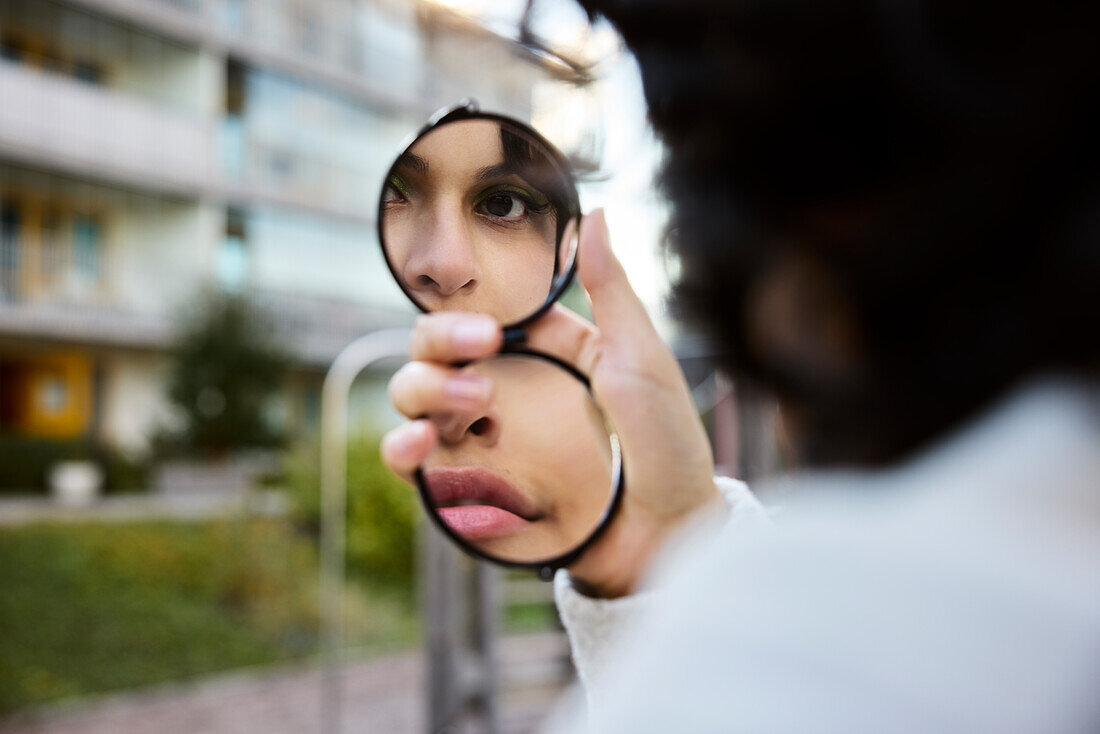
[480, 214]
[531, 478]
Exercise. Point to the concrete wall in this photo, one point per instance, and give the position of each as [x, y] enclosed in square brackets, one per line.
[134, 403]
[162, 252]
[99, 132]
[299, 254]
[165, 73]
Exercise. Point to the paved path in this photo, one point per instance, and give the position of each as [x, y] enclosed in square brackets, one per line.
[127, 508]
[383, 695]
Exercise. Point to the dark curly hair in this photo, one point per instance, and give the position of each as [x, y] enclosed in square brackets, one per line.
[887, 212]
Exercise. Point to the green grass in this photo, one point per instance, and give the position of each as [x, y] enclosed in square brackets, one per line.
[100, 607]
[532, 617]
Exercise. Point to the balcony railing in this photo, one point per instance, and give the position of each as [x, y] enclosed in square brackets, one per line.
[54, 270]
[51, 290]
[316, 329]
[100, 132]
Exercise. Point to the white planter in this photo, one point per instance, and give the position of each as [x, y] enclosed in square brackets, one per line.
[75, 483]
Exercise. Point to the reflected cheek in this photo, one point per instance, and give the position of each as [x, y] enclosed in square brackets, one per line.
[527, 278]
[396, 239]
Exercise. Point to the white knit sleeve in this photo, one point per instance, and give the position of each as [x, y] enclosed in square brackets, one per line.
[594, 625]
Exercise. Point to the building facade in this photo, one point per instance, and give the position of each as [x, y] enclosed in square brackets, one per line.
[153, 148]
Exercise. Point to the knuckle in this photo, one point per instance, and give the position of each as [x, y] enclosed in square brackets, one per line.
[398, 386]
[429, 337]
[417, 388]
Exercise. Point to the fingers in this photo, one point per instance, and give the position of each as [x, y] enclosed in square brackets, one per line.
[422, 388]
[625, 331]
[567, 336]
[407, 447]
[453, 336]
[449, 337]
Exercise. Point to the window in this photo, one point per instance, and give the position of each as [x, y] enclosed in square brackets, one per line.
[233, 257]
[53, 248]
[9, 252]
[11, 49]
[87, 71]
[53, 394]
[35, 50]
[86, 245]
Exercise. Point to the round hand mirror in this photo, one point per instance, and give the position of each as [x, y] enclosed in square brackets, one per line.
[480, 213]
[531, 480]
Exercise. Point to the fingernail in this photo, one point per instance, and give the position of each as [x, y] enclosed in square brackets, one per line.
[472, 388]
[473, 333]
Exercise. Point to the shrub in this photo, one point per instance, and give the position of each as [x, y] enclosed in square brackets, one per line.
[382, 510]
[93, 607]
[25, 463]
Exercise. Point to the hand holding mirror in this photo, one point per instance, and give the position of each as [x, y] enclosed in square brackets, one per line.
[480, 213]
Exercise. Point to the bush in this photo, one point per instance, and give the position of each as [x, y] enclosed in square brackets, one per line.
[382, 510]
[25, 464]
[87, 608]
[90, 608]
[227, 368]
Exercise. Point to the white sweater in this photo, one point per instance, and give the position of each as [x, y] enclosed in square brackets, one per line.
[959, 592]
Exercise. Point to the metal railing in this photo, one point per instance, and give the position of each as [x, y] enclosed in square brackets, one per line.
[54, 269]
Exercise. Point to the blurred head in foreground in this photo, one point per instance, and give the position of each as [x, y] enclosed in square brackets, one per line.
[888, 213]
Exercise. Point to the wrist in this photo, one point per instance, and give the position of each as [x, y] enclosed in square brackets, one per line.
[617, 563]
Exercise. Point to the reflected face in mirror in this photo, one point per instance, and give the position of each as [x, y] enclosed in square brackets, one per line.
[472, 219]
[529, 479]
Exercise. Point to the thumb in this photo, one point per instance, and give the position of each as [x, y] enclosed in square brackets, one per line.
[635, 378]
[642, 391]
[626, 330]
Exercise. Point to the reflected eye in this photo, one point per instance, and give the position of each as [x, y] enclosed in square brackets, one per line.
[504, 206]
[394, 192]
[390, 195]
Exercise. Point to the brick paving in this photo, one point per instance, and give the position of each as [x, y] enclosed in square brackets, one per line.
[384, 695]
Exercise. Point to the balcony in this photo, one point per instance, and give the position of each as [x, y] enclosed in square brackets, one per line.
[90, 131]
[55, 292]
[316, 329]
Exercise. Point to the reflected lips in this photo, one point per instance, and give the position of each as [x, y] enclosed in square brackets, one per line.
[477, 503]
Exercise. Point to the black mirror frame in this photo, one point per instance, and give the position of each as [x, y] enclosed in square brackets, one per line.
[469, 110]
[547, 567]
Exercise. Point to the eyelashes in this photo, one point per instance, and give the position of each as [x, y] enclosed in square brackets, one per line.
[396, 191]
[504, 204]
[508, 204]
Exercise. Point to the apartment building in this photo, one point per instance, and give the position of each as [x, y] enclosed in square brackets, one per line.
[153, 148]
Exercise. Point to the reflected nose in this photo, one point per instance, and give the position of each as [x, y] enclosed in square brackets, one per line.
[480, 427]
[444, 262]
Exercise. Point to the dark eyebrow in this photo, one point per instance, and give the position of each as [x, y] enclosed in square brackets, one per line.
[495, 171]
[413, 161]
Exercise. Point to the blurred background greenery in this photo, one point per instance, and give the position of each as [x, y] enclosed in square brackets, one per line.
[91, 607]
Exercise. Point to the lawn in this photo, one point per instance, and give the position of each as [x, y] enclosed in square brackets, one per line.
[97, 607]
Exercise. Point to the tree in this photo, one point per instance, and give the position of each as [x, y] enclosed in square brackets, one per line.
[227, 369]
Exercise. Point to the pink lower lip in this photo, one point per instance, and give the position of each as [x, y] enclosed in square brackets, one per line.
[481, 522]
